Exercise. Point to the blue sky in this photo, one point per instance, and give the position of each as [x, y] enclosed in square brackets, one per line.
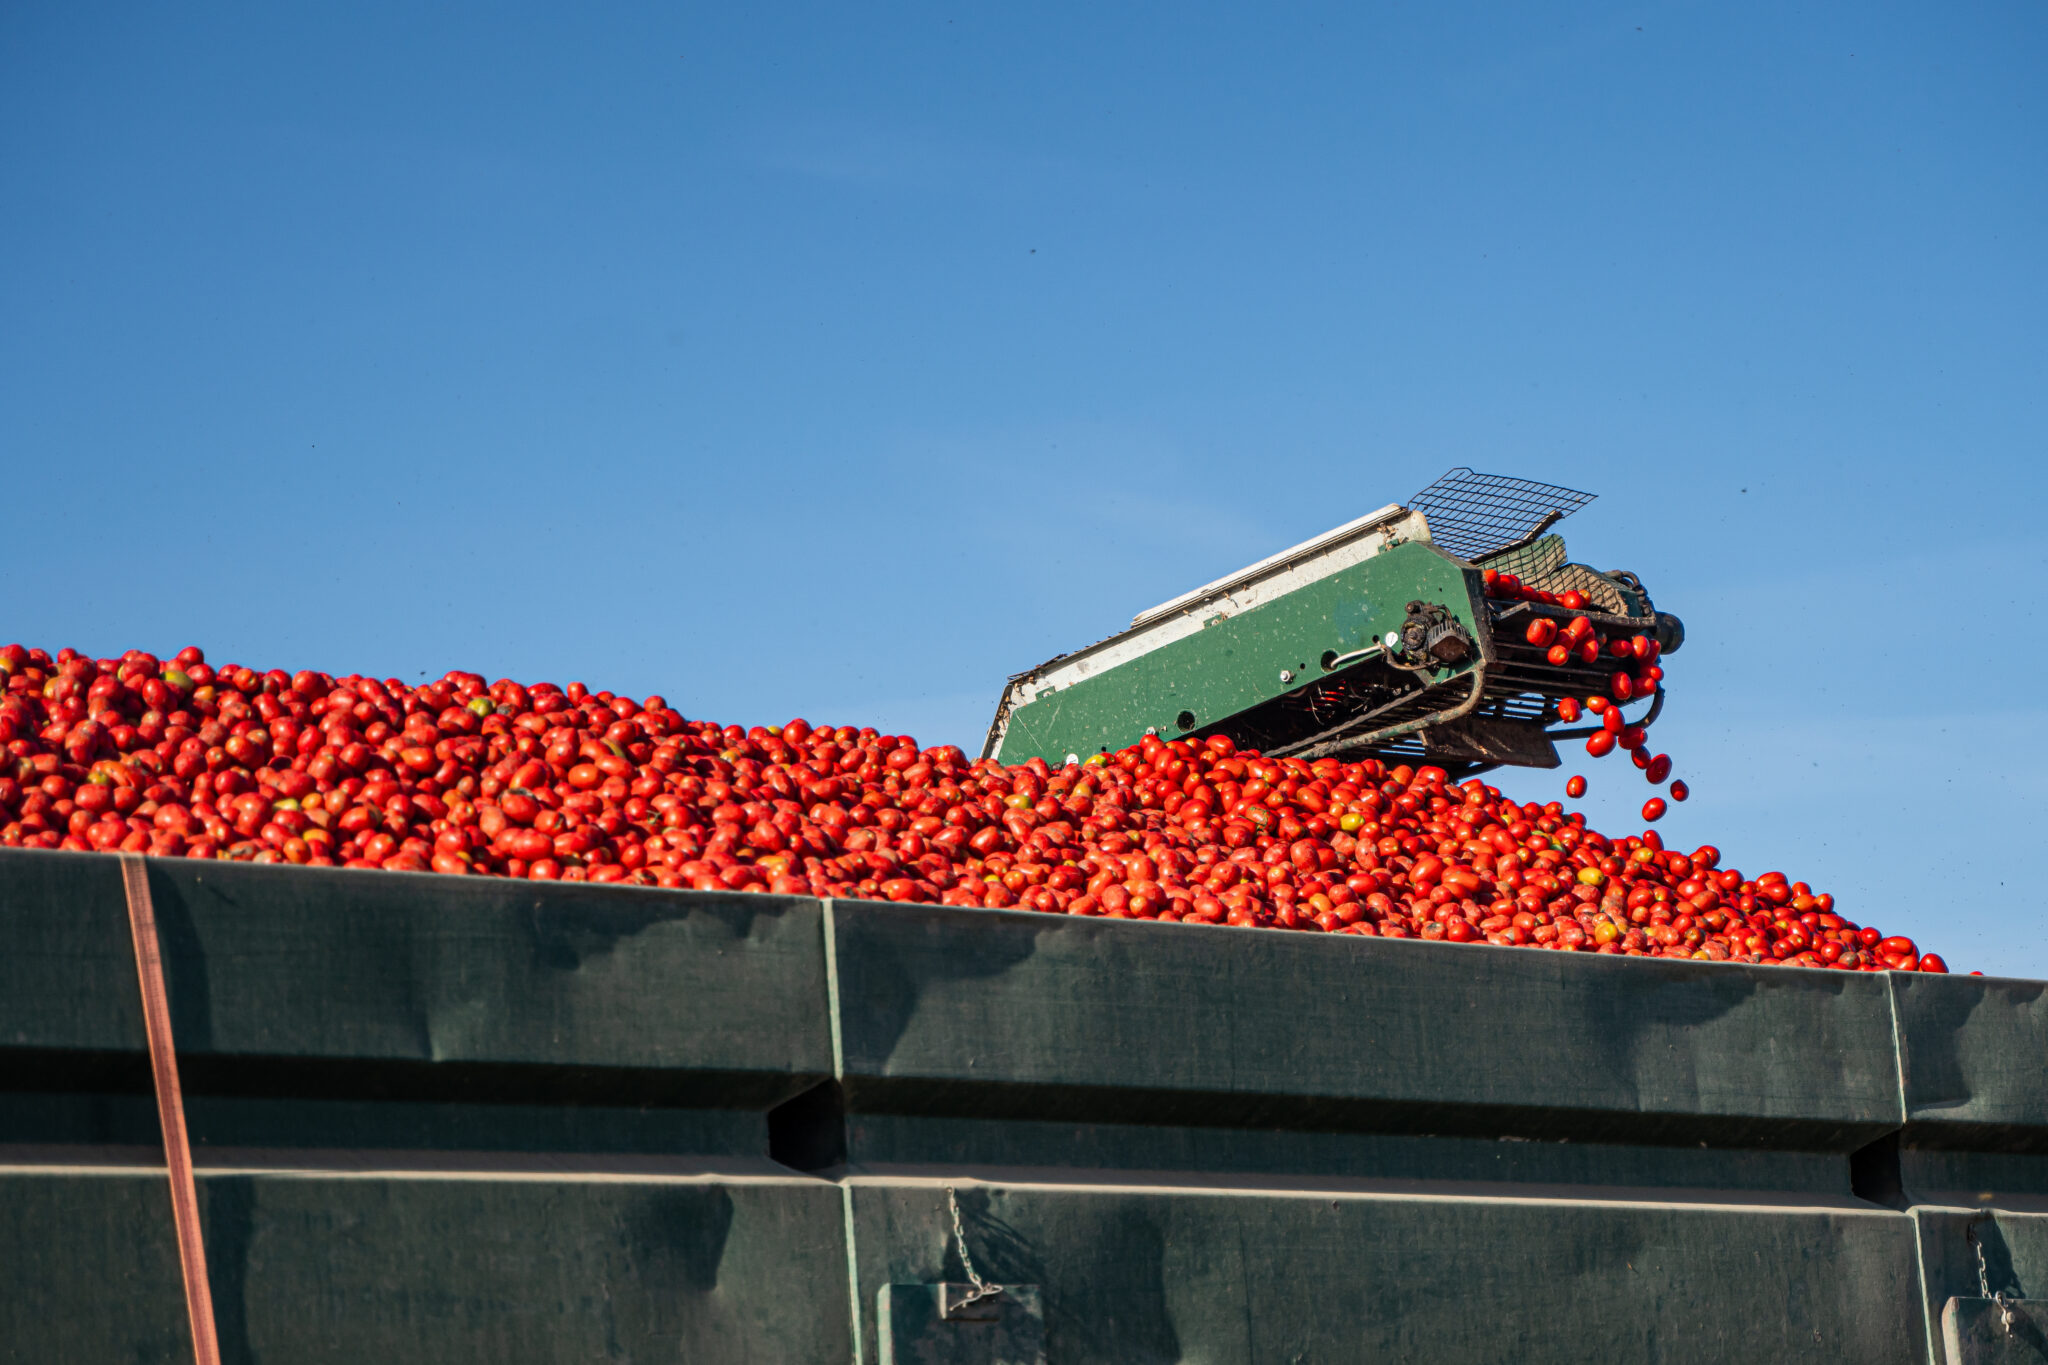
[841, 363]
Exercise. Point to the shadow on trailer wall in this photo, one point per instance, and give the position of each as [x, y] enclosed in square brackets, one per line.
[452, 1120]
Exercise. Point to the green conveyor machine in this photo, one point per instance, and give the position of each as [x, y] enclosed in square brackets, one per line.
[1376, 639]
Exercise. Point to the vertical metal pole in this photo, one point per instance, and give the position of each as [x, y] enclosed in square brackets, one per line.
[170, 1108]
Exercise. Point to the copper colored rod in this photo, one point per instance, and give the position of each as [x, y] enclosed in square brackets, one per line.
[170, 1108]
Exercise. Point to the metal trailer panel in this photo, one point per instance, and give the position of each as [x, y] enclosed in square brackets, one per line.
[1160, 1275]
[327, 1269]
[1017, 1015]
[320, 1007]
[448, 1120]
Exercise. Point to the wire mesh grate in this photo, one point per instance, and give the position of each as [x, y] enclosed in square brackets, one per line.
[1472, 514]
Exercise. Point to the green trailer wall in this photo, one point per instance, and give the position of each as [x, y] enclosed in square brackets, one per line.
[447, 1120]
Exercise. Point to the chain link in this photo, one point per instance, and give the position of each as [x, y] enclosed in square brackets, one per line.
[982, 1290]
[2002, 1298]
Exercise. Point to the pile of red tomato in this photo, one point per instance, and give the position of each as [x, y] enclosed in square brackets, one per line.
[175, 758]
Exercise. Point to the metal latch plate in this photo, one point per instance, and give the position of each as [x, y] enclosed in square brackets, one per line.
[1973, 1332]
[931, 1324]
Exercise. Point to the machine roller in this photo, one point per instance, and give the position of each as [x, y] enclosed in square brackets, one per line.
[1374, 639]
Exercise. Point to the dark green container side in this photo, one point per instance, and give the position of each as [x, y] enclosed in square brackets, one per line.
[1974, 1053]
[460, 1270]
[443, 1120]
[323, 1008]
[1156, 1276]
[1022, 1016]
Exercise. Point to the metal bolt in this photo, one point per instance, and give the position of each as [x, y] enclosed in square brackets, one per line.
[1287, 675]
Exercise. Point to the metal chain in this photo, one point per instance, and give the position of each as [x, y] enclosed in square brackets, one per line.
[2002, 1298]
[982, 1289]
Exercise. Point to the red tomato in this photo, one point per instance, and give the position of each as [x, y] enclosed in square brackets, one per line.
[1541, 632]
[1622, 686]
[1558, 655]
[470, 778]
[1653, 809]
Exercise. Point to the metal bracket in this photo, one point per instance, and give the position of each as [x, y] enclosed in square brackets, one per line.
[947, 1324]
[1994, 1331]
[967, 1303]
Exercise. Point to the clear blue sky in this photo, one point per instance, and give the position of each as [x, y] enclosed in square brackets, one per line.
[841, 362]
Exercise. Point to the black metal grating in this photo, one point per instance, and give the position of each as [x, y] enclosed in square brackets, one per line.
[1472, 515]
